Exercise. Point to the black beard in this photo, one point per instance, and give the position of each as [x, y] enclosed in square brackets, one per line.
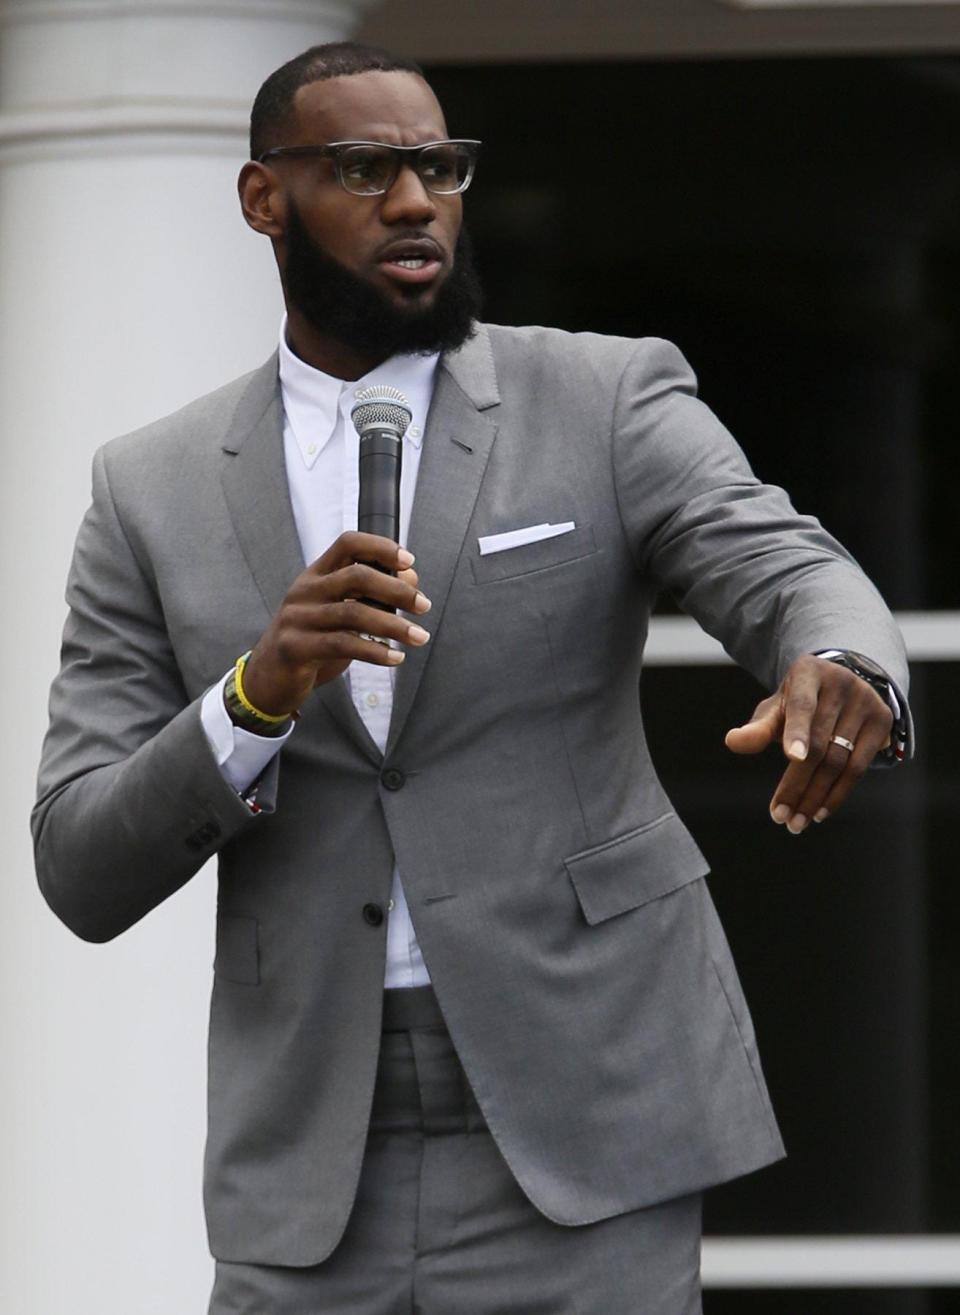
[340, 305]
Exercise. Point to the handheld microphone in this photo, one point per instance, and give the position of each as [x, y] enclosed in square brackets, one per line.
[380, 416]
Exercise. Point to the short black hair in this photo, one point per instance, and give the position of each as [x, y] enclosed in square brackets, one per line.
[272, 108]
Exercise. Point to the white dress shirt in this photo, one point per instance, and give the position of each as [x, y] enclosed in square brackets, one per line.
[321, 451]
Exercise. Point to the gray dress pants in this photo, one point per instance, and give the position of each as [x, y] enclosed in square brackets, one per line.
[440, 1226]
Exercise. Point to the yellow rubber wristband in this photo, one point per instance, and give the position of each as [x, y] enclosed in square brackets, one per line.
[245, 702]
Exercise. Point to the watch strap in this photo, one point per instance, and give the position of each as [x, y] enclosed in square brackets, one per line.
[243, 713]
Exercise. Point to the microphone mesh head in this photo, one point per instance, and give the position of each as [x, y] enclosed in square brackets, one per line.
[379, 406]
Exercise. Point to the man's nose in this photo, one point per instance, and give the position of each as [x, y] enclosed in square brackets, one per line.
[408, 200]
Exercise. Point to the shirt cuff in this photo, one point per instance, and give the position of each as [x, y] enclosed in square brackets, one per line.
[241, 755]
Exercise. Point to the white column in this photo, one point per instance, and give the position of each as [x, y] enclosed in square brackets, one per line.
[128, 285]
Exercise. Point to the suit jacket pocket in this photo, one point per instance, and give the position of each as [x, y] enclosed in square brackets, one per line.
[238, 949]
[635, 868]
[530, 557]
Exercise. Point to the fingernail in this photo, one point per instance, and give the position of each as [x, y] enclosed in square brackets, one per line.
[797, 824]
[422, 603]
[405, 559]
[821, 814]
[395, 657]
[781, 813]
[798, 750]
[417, 635]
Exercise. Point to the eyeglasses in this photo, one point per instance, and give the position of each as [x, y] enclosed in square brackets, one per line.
[371, 168]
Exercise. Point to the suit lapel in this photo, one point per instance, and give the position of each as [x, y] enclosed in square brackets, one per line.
[456, 447]
[255, 486]
[258, 497]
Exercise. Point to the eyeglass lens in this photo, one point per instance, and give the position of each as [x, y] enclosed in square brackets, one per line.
[368, 169]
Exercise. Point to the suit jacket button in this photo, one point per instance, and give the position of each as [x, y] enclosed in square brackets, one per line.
[393, 778]
[373, 914]
[203, 835]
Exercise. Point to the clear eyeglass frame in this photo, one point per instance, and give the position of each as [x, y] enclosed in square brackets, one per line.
[371, 168]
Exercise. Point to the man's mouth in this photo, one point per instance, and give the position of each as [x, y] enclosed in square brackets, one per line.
[415, 260]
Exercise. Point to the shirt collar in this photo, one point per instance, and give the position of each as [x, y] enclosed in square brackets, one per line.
[313, 400]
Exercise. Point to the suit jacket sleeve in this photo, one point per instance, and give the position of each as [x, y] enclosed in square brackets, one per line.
[769, 583]
[131, 801]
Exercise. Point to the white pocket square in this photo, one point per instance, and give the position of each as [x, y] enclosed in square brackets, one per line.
[516, 538]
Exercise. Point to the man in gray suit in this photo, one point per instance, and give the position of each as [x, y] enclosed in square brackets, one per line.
[477, 1043]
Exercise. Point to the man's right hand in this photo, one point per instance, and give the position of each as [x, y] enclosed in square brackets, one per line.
[320, 626]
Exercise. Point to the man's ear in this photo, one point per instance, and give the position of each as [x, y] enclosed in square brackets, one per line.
[261, 199]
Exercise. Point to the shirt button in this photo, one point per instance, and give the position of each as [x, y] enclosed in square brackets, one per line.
[311, 449]
[414, 431]
[373, 700]
[372, 915]
[393, 778]
[390, 907]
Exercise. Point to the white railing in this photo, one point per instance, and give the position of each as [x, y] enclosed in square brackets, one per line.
[832, 1262]
[679, 641]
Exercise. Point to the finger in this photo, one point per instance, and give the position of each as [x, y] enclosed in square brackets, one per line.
[354, 546]
[841, 696]
[846, 709]
[797, 804]
[351, 615]
[819, 750]
[315, 652]
[340, 633]
[760, 731]
[346, 646]
[866, 747]
[421, 603]
[791, 788]
[815, 773]
[365, 648]
[785, 806]
[801, 697]
[862, 727]
[800, 800]
[358, 580]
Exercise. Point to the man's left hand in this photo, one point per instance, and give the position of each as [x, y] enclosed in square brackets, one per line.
[817, 700]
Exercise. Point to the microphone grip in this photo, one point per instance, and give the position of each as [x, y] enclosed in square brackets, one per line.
[378, 509]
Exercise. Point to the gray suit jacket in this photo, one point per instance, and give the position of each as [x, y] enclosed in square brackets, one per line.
[558, 899]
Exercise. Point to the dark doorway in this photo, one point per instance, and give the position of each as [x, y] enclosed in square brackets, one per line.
[794, 225]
